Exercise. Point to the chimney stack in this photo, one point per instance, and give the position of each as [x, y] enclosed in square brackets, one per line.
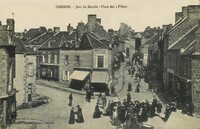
[69, 28]
[98, 20]
[184, 12]
[56, 29]
[91, 22]
[178, 15]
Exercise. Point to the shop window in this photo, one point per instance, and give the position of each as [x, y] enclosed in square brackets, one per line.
[43, 72]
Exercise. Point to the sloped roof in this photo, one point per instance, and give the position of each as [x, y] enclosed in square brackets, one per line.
[60, 39]
[31, 34]
[179, 22]
[41, 39]
[100, 32]
[152, 39]
[148, 33]
[90, 41]
[185, 40]
[21, 48]
[190, 50]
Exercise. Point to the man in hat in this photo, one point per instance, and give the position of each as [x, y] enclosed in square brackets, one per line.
[129, 87]
[128, 97]
[70, 99]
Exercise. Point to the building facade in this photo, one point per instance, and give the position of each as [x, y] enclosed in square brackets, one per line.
[181, 45]
[25, 60]
[7, 71]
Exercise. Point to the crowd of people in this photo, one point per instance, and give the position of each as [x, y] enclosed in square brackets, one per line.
[129, 113]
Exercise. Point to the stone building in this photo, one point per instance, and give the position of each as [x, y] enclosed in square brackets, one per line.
[25, 63]
[50, 53]
[93, 63]
[183, 25]
[181, 56]
[7, 72]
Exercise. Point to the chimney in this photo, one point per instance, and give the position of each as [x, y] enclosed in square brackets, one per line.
[178, 15]
[42, 29]
[91, 22]
[80, 29]
[11, 29]
[69, 28]
[98, 20]
[193, 11]
[56, 29]
[11, 24]
[184, 12]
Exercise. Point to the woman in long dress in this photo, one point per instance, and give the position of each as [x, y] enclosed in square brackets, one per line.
[79, 113]
[115, 118]
[97, 112]
[72, 116]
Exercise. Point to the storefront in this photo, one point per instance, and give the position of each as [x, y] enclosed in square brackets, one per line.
[185, 90]
[99, 80]
[79, 79]
[49, 72]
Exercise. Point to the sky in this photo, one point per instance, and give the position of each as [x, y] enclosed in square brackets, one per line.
[137, 13]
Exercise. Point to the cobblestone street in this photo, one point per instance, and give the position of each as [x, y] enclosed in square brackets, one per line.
[56, 113]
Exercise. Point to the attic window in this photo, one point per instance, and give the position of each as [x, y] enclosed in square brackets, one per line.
[51, 43]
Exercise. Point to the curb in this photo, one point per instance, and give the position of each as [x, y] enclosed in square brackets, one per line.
[62, 88]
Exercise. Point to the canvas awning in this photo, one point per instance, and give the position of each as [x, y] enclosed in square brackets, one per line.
[99, 77]
[79, 75]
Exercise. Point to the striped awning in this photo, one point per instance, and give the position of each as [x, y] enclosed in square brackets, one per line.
[79, 75]
[99, 77]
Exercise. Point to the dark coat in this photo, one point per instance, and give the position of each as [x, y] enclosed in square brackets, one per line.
[80, 118]
[128, 97]
[70, 97]
[97, 112]
[159, 107]
[122, 114]
[72, 117]
[129, 87]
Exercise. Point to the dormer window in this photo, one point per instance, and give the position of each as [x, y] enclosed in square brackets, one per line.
[51, 43]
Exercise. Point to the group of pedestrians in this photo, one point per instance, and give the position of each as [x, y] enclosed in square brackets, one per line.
[137, 89]
[132, 113]
[76, 116]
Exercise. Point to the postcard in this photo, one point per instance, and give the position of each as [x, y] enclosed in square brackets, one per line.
[89, 64]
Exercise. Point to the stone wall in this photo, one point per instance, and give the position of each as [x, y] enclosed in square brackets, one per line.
[3, 71]
[196, 83]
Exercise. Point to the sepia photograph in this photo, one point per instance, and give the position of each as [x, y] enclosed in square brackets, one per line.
[107, 64]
